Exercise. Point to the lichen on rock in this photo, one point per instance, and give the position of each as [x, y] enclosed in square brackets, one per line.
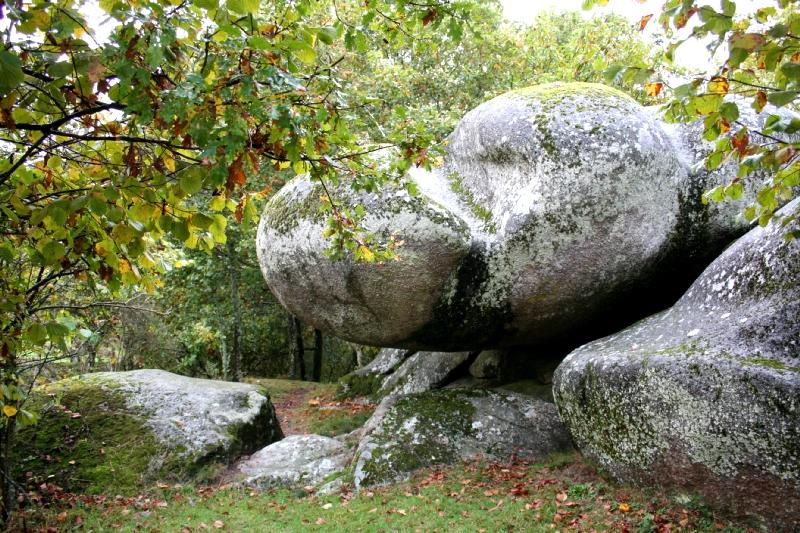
[704, 396]
[115, 431]
[443, 426]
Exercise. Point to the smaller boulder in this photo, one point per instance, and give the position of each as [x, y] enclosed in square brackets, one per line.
[115, 431]
[488, 364]
[444, 426]
[368, 380]
[297, 460]
[422, 372]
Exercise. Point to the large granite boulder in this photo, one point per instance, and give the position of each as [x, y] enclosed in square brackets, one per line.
[444, 426]
[115, 431]
[706, 395]
[556, 207]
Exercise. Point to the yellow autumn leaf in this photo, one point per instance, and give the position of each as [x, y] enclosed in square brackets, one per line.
[366, 254]
[624, 508]
[124, 266]
[718, 85]
[169, 163]
[9, 410]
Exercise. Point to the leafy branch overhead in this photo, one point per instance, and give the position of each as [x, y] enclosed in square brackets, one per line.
[761, 52]
[186, 115]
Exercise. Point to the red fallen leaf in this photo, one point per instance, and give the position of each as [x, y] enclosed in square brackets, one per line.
[519, 489]
[644, 20]
[544, 482]
[561, 496]
[62, 516]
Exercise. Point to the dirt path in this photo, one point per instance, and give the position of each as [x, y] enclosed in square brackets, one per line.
[292, 410]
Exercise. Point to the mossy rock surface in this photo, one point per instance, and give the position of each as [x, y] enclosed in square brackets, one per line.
[114, 432]
[706, 395]
[444, 426]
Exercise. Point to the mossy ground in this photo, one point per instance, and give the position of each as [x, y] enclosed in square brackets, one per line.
[88, 440]
[562, 493]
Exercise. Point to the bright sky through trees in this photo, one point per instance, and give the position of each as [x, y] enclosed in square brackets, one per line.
[692, 55]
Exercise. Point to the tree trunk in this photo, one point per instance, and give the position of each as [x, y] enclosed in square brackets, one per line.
[296, 349]
[5, 471]
[316, 374]
[358, 354]
[236, 304]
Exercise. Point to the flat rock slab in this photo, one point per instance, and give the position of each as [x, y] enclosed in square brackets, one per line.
[297, 460]
[444, 426]
[706, 395]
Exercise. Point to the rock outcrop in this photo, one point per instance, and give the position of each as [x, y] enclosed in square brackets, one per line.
[706, 395]
[297, 460]
[556, 207]
[443, 426]
[111, 431]
[397, 372]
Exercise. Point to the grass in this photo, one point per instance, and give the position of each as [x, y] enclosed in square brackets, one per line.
[308, 407]
[562, 493]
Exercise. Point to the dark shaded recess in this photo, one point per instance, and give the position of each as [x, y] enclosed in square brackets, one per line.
[460, 324]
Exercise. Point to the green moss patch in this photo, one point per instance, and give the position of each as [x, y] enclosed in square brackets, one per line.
[771, 363]
[88, 440]
[419, 431]
[359, 385]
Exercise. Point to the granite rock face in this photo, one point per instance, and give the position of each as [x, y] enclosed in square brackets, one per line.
[198, 418]
[297, 460]
[443, 426]
[706, 395]
[556, 207]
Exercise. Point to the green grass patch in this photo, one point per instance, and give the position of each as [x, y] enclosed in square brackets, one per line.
[472, 496]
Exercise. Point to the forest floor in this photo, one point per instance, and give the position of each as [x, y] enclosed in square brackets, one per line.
[562, 493]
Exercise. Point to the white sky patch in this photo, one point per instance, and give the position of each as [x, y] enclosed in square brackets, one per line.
[692, 55]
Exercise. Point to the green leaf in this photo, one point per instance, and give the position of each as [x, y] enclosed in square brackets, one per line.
[192, 180]
[36, 333]
[781, 98]
[243, 6]
[11, 75]
[302, 51]
[52, 251]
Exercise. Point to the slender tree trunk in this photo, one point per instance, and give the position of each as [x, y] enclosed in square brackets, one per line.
[291, 348]
[7, 498]
[358, 354]
[8, 485]
[236, 304]
[297, 349]
[317, 369]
